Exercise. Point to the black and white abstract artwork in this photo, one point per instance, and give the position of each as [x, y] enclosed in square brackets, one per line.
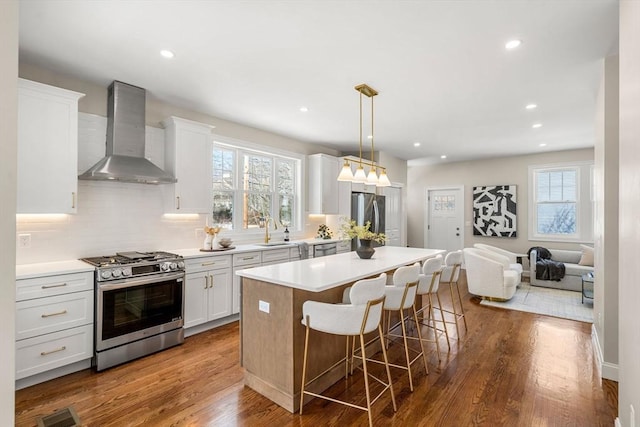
[494, 211]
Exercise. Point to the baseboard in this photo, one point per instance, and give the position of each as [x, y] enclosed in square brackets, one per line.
[53, 373]
[210, 325]
[609, 371]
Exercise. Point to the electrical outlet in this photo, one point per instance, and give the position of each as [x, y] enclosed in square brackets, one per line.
[24, 240]
[263, 306]
[199, 233]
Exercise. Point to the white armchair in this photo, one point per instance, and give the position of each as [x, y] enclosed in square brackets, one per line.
[489, 275]
[513, 258]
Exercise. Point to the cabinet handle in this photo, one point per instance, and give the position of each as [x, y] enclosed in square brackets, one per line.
[73, 200]
[53, 286]
[177, 202]
[44, 353]
[204, 264]
[206, 282]
[247, 258]
[55, 314]
[211, 286]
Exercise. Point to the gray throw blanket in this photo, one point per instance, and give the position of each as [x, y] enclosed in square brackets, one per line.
[546, 268]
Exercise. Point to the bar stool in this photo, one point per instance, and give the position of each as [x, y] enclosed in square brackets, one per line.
[428, 287]
[451, 272]
[399, 297]
[361, 316]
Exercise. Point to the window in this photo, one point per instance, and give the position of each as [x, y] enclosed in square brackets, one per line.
[560, 203]
[250, 185]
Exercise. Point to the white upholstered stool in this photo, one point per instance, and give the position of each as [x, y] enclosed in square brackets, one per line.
[450, 276]
[361, 316]
[428, 285]
[399, 297]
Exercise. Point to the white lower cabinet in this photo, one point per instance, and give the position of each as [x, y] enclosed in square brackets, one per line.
[241, 262]
[54, 322]
[208, 289]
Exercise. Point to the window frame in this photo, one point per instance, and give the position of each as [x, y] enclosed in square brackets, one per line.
[584, 202]
[242, 148]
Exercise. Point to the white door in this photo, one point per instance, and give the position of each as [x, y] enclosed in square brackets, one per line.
[444, 228]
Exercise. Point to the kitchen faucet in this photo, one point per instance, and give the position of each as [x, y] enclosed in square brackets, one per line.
[266, 227]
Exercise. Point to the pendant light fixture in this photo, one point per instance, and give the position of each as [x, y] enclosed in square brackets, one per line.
[372, 178]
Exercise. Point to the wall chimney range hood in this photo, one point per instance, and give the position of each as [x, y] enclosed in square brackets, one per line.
[124, 160]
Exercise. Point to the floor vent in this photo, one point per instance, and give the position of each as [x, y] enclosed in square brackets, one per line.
[66, 417]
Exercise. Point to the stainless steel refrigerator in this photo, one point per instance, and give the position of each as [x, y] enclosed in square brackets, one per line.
[367, 207]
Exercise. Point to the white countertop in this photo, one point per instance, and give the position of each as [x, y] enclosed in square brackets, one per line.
[27, 271]
[196, 252]
[319, 274]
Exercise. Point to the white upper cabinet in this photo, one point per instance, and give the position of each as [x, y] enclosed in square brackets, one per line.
[323, 184]
[47, 148]
[188, 157]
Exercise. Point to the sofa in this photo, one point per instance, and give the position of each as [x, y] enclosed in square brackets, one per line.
[489, 275]
[572, 279]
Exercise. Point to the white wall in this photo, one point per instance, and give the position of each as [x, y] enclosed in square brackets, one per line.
[629, 229]
[498, 171]
[606, 219]
[8, 156]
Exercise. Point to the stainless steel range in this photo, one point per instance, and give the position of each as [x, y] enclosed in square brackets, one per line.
[139, 305]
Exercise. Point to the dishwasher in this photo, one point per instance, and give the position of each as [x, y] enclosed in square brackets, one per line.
[324, 249]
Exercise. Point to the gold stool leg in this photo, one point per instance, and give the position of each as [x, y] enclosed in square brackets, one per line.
[455, 312]
[304, 365]
[406, 348]
[366, 380]
[386, 365]
[464, 318]
[444, 323]
[435, 328]
[424, 354]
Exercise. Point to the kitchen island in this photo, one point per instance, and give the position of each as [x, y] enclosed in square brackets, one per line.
[271, 333]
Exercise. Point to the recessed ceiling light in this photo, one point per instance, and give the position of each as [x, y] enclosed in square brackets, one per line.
[416, 144]
[531, 106]
[543, 145]
[443, 156]
[512, 44]
[304, 109]
[167, 53]
[537, 125]
[369, 136]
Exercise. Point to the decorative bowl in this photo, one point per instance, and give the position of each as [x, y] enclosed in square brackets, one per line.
[225, 243]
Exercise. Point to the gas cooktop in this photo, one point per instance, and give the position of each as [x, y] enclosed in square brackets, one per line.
[127, 258]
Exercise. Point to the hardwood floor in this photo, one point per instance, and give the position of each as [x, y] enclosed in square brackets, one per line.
[510, 369]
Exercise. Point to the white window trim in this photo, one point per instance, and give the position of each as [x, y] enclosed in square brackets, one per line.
[239, 146]
[585, 212]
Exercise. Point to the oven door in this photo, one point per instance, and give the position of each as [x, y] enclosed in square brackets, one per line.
[131, 309]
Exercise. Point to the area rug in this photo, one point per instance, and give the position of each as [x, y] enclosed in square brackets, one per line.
[547, 301]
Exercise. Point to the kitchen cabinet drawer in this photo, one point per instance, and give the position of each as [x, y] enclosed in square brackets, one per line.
[247, 258]
[45, 286]
[193, 265]
[343, 246]
[45, 315]
[46, 352]
[272, 255]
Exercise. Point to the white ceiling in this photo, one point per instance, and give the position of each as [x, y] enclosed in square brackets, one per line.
[444, 76]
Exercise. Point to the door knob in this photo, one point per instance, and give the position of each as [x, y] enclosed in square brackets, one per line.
[457, 234]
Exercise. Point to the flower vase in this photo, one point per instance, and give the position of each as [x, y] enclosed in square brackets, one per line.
[208, 239]
[215, 242]
[364, 249]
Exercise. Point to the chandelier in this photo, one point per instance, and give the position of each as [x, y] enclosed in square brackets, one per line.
[372, 178]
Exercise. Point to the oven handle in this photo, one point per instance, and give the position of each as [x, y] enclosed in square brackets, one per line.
[128, 283]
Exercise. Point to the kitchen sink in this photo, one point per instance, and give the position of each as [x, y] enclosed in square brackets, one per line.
[273, 244]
